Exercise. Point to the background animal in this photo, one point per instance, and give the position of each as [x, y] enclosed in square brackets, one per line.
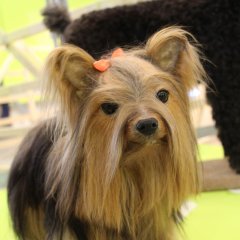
[215, 24]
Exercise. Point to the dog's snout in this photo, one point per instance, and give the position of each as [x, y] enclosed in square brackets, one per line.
[147, 126]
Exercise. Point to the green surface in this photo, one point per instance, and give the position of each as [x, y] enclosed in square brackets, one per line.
[216, 217]
[5, 223]
[210, 152]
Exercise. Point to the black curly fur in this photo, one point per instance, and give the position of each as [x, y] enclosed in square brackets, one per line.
[216, 25]
[56, 18]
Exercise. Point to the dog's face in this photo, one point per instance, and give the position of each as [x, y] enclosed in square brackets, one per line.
[138, 109]
[139, 99]
[141, 94]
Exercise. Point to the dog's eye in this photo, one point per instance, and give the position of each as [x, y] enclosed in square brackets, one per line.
[162, 95]
[109, 108]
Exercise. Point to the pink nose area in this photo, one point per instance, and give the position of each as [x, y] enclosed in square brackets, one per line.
[147, 127]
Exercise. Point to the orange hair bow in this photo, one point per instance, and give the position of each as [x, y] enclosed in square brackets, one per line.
[103, 64]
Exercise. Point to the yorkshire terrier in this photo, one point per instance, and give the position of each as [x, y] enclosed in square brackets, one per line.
[119, 158]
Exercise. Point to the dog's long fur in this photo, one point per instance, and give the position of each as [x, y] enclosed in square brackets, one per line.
[89, 175]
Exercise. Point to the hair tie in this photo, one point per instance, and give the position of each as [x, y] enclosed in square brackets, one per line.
[117, 52]
[103, 64]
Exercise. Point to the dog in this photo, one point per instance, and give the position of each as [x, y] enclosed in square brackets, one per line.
[216, 25]
[120, 157]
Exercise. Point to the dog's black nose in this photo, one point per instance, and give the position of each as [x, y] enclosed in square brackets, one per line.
[147, 126]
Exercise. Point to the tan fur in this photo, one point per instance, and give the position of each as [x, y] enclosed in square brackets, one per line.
[34, 224]
[186, 63]
[123, 180]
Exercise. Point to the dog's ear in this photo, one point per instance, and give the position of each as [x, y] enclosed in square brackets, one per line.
[69, 77]
[171, 50]
[69, 68]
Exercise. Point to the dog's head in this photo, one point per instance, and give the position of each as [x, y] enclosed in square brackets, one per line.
[136, 107]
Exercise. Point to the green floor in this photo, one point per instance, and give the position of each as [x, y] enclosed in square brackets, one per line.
[215, 215]
[5, 225]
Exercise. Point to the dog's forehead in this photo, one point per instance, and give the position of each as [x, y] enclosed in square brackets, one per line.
[130, 70]
[134, 66]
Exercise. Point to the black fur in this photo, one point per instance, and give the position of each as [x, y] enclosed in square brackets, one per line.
[216, 25]
[26, 178]
[56, 18]
[26, 186]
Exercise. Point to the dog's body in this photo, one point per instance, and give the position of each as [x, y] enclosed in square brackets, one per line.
[216, 25]
[26, 190]
[119, 159]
